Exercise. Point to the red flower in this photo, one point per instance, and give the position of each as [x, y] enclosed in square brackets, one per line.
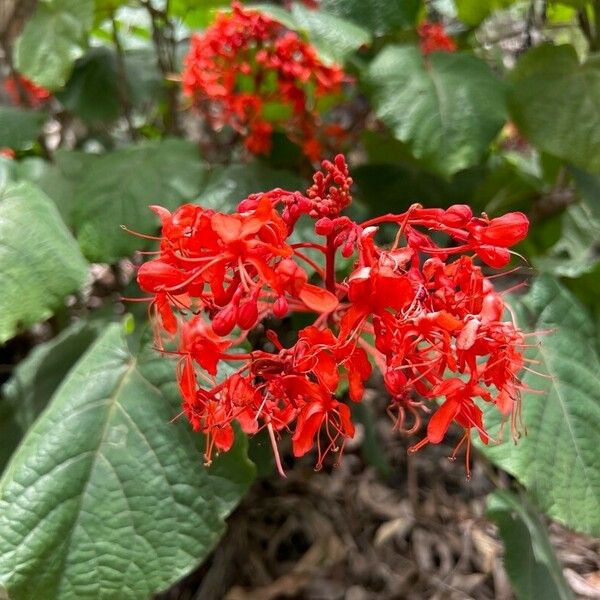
[23, 91]
[246, 65]
[434, 39]
[420, 309]
[324, 412]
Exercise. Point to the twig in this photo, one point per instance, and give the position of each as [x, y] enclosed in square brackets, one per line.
[123, 86]
[165, 58]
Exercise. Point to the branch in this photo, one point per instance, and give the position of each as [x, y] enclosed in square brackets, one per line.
[165, 58]
[123, 86]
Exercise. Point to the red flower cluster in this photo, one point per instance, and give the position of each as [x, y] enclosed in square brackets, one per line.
[247, 71]
[23, 91]
[435, 39]
[423, 313]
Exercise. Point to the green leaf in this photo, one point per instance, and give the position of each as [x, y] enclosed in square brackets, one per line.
[197, 15]
[378, 16]
[589, 189]
[34, 380]
[92, 91]
[106, 498]
[57, 179]
[145, 82]
[578, 250]
[334, 38]
[473, 12]
[19, 127]
[530, 561]
[448, 109]
[116, 188]
[39, 260]
[53, 40]
[226, 187]
[507, 187]
[557, 460]
[276, 12]
[555, 102]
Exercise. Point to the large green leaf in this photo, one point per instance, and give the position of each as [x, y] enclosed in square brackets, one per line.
[57, 179]
[578, 250]
[449, 108]
[39, 260]
[529, 558]
[116, 188]
[555, 102]
[53, 40]
[19, 127]
[144, 81]
[334, 37]
[558, 458]
[378, 16]
[106, 498]
[34, 380]
[92, 90]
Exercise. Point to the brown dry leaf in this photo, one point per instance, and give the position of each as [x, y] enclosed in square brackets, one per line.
[582, 586]
[488, 549]
[323, 553]
[396, 528]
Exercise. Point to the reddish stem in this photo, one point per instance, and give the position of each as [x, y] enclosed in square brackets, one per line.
[330, 264]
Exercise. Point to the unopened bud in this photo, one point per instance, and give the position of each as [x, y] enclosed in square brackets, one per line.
[324, 226]
[225, 320]
[280, 307]
[457, 215]
[247, 314]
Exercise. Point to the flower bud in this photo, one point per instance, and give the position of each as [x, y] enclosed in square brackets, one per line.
[505, 231]
[457, 215]
[324, 226]
[280, 307]
[248, 314]
[225, 320]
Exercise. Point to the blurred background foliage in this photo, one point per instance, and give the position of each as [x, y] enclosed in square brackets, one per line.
[511, 121]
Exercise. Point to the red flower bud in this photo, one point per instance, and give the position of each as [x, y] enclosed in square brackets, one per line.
[247, 314]
[225, 320]
[280, 307]
[324, 226]
[494, 256]
[505, 231]
[457, 215]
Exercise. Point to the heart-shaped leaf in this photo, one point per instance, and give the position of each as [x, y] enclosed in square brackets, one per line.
[53, 40]
[106, 497]
[448, 107]
[555, 102]
[558, 458]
